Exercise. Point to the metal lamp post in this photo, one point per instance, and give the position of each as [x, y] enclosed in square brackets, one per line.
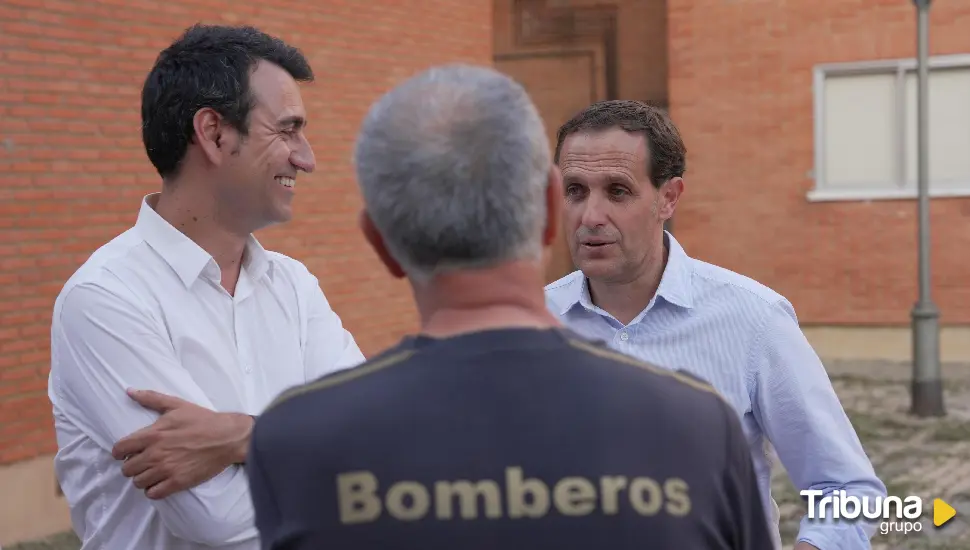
[927, 390]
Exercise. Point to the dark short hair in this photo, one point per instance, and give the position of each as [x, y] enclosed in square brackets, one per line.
[208, 66]
[668, 156]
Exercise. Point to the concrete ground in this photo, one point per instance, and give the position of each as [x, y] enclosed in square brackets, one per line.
[929, 458]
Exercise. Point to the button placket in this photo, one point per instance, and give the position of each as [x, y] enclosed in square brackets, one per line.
[244, 357]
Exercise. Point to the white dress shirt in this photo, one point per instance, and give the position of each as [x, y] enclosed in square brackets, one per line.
[147, 311]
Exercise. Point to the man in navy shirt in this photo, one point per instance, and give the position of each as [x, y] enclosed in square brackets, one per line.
[494, 427]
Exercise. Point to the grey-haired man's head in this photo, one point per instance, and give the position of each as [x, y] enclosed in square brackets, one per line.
[454, 166]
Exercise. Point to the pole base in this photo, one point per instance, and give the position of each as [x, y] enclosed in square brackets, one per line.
[928, 399]
[927, 390]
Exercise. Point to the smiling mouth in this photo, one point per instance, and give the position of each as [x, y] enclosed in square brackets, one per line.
[596, 245]
[289, 183]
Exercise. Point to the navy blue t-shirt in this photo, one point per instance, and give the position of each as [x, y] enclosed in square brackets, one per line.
[500, 440]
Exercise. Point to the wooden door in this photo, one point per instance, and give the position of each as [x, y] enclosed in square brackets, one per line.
[560, 83]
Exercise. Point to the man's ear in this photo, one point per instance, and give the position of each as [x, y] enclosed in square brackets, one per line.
[376, 242]
[670, 194]
[554, 200]
[211, 135]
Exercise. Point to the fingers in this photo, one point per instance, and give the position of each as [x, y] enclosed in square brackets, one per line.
[135, 465]
[148, 478]
[162, 490]
[134, 443]
[155, 401]
[140, 440]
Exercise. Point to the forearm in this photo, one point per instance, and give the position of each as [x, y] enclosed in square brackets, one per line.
[239, 447]
[218, 511]
[93, 324]
[798, 409]
[848, 533]
[215, 513]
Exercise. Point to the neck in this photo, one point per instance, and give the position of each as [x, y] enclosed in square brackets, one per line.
[507, 296]
[196, 214]
[625, 299]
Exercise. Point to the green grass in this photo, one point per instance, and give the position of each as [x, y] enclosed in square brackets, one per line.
[62, 541]
[951, 431]
[871, 427]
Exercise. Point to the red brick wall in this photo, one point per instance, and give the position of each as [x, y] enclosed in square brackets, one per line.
[72, 167]
[741, 92]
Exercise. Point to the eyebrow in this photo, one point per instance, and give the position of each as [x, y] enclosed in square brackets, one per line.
[603, 179]
[296, 121]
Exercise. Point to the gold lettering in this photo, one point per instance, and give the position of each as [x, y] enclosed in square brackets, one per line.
[678, 499]
[653, 501]
[610, 487]
[468, 495]
[359, 501]
[574, 496]
[517, 490]
[357, 498]
[420, 500]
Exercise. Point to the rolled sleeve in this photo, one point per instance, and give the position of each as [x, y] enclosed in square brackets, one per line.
[103, 343]
[800, 413]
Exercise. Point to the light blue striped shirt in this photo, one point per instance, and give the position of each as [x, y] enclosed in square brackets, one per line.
[744, 339]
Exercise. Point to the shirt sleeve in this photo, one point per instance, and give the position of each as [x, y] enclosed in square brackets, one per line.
[103, 343]
[329, 346]
[747, 513]
[798, 410]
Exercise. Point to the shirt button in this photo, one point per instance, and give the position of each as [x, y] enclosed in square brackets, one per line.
[624, 336]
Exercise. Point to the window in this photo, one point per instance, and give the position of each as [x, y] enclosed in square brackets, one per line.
[865, 129]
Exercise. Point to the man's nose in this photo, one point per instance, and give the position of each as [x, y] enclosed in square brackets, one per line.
[302, 156]
[594, 212]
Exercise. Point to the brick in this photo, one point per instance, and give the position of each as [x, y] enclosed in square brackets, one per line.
[739, 84]
[17, 374]
[741, 93]
[38, 356]
[17, 453]
[70, 82]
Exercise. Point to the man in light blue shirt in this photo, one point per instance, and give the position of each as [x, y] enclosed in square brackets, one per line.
[622, 164]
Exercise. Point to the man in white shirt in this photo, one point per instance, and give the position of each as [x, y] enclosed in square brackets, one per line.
[172, 336]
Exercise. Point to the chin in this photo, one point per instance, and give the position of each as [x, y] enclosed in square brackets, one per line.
[271, 219]
[280, 215]
[598, 269]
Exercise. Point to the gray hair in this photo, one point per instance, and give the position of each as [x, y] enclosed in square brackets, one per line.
[453, 166]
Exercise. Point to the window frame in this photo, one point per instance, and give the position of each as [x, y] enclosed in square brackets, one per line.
[822, 191]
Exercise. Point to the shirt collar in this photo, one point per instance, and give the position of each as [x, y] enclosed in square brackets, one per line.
[186, 258]
[675, 283]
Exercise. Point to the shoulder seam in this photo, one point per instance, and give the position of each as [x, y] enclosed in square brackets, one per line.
[778, 298]
[616, 356]
[341, 377]
[279, 256]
